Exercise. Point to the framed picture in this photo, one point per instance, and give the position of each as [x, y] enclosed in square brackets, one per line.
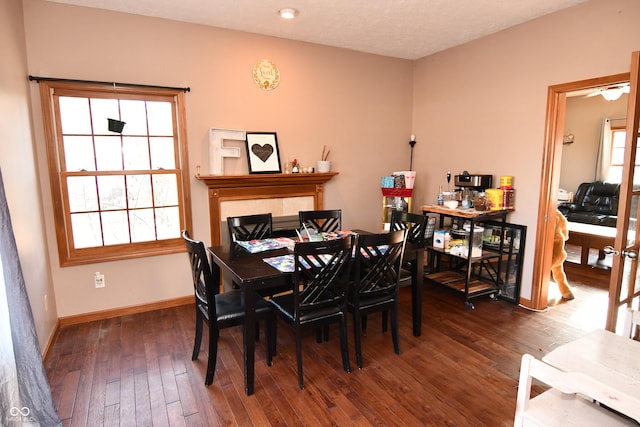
[262, 152]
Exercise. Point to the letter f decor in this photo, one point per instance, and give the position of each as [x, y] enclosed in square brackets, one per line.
[217, 150]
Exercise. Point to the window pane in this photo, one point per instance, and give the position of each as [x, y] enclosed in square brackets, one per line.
[78, 153]
[165, 190]
[619, 137]
[101, 110]
[86, 230]
[83, 194]
[136, 153]
[74, 115]
[108, 153]
[160, 118]
[116, 227]
[162, 154]
[142, 225]
[615, 174]
[617, 156]
[112, 192]
[139, 191]
[168, 223]
[134, 114]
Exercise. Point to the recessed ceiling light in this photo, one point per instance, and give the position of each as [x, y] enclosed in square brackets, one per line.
[288, 13]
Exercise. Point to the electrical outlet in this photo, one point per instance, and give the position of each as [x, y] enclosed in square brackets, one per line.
[98, 280]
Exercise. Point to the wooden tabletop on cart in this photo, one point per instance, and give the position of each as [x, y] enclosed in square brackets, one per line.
[460, 212]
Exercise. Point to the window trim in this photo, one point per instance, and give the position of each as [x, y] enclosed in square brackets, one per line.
[69, 256]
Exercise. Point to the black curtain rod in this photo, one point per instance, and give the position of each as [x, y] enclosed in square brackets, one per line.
[38, 79]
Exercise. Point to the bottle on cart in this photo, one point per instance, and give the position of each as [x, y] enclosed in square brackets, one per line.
[440, 197]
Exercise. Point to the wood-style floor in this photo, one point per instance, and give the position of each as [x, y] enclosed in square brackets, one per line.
[462, 371]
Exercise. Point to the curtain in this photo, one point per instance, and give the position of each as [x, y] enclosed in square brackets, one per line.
[25, 396]
[604, 152]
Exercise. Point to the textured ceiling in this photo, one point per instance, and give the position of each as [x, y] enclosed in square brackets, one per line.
[408, 29]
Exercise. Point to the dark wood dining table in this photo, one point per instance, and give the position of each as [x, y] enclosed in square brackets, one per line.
[251, 273]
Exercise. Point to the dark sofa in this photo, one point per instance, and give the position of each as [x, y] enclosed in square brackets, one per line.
[594, 203]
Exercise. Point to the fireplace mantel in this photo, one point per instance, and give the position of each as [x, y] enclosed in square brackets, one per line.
[260, 186]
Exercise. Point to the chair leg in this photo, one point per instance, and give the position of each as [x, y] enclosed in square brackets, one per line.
[299, 357]
[326, 333]
[385, 316]
[198, 338]
[394, 328]
[343, 344]
[272, 337]
[363, 322]
[213, 354]
[357, 334]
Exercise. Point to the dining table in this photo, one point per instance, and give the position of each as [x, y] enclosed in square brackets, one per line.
[606, 357]
[251, 273]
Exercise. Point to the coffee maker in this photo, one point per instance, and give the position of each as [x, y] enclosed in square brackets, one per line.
[469, 185]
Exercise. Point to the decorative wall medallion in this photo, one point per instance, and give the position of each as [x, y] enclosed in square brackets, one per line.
[266, 74]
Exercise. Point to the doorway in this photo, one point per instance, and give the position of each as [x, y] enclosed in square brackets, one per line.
[552, 163]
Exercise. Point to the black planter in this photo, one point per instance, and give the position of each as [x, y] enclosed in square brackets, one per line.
[116, 125]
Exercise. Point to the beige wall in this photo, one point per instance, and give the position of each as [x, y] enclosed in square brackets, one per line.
[18, 172]
[359, 105]
[481, 106]
[583, 119]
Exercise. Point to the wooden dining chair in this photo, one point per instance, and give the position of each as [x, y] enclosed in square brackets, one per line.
[250, 227]
[570, 398]
[318, 297]
[220, 310]
[378, 258]
[420, 230]
[323, 221]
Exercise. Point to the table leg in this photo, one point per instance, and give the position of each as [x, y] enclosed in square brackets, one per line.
[249, 339]
[584, 253]
[417, 285]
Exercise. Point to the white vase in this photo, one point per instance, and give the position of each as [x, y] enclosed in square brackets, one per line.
[324, 166]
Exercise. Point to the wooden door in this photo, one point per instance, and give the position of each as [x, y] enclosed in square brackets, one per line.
[624, 287]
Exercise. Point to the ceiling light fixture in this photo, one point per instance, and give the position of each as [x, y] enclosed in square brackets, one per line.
[612, 94]
[288, 13]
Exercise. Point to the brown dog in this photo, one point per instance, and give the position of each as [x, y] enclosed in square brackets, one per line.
[560, 255]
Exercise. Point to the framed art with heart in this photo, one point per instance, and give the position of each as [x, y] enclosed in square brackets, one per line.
[262, 152]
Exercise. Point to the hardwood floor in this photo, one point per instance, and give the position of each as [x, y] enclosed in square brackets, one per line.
[462, 371]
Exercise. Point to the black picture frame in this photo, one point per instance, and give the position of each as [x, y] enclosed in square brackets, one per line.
[262, 152]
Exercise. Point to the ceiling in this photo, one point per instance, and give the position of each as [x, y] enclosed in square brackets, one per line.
[408, 29]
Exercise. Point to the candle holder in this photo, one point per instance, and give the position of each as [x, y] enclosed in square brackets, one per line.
[412, 142]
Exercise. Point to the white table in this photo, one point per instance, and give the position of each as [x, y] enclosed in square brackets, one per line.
[609, 358]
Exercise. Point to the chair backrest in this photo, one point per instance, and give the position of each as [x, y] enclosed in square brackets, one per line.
[321, 273]
[419, 228]
[322, 221]
[206, 284]
[250, 227]
[632, 324]
[377, 262]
